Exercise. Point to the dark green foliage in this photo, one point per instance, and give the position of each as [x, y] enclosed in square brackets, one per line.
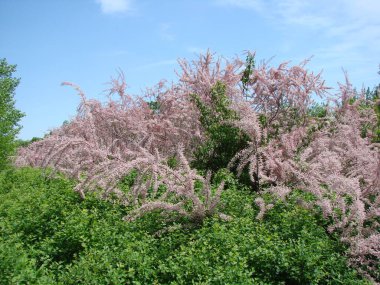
[25, 143]
[223, 140]
[372, 100]
[374, 95]
[318, 111]
[128, 180]
[48, 235]
[249, 66]
[9, 115]
[154, 106]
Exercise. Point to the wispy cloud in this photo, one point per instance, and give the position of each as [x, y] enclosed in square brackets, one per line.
[165, 32]
[340, 34]
[348, 27]
[298, 12]
[340, 20]
[346, 30]
[115, 6]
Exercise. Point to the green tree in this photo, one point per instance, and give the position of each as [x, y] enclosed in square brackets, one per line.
[9, 115]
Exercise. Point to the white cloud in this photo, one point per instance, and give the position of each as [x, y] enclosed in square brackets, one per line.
[339, 19]
[298, 12]
[365, 9]
[340, 32]
[348, 27]
[348, 32]
[165, 32]
[114, 6]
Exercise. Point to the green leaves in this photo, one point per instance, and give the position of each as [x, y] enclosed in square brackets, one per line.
[249, 66]
[223, 140]
[9, 115]
[50, 236]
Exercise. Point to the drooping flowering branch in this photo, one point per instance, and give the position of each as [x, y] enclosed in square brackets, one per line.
[180, 194]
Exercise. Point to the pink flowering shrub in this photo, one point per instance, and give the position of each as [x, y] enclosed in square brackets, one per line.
[282, 147]
[337, 164]
[105, 142]
[275, 117]
[342, 170]
[328, 157]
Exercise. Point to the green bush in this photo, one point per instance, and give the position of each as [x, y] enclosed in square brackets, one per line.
[48, 235]
[223, 140]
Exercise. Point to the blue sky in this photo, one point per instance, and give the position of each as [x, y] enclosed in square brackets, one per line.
[86, 41]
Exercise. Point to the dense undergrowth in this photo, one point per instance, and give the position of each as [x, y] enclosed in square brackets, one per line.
[51, 236]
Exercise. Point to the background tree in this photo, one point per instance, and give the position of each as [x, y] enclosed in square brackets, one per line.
[9, 115]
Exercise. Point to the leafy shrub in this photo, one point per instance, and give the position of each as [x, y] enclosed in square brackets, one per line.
[223, 140]
[74, 241]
